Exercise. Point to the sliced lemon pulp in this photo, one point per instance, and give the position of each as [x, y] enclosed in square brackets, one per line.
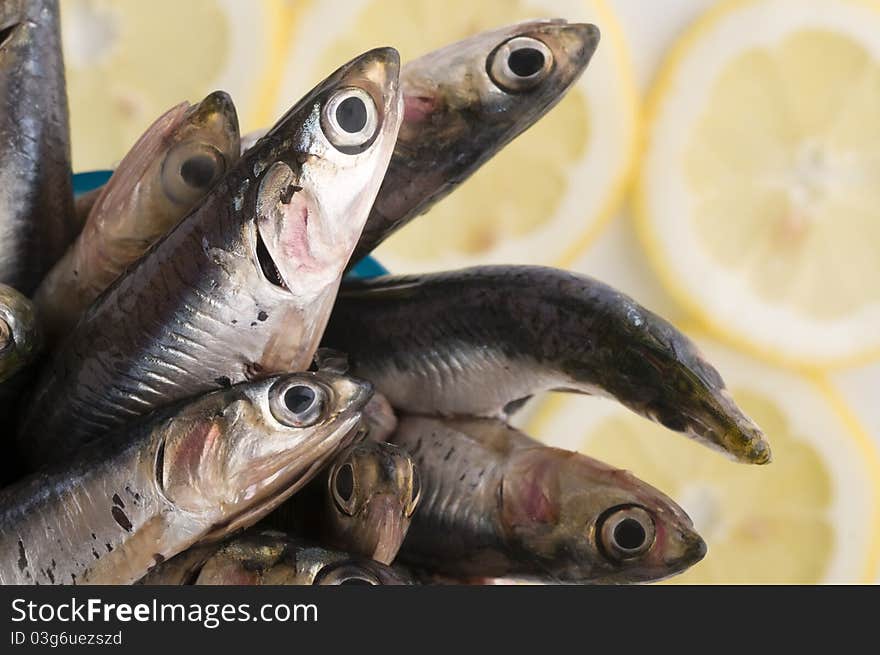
[546, 194]
[759, 192]
[810, 516]
[127, 62]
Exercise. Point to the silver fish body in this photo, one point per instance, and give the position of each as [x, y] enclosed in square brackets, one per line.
[496, 503]
[464, 103]
[36, 193]
[473, 341]
[198, 471]
[242, 287]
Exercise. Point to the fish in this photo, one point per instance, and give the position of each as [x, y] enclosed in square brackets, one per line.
[243, 286]
[21, 347]
[36, 189]
[464, 103]
[21, 335]
[477, 341]
[498, 504]
[196, 472]
[173, 165]
[274, 558]
[362, 504]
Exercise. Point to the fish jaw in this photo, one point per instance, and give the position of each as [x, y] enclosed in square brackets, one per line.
[456, 117]
[230, 461]
[320, 202]
[553, 503]
[386, 522]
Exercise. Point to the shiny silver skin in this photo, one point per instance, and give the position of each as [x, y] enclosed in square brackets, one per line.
[362, 504]
[36, 192]
[463, 104]
[241, 288]
[273, 558]
[475, 340]
[496, 503]
[169, 170]
[199, 471]
[21, 337]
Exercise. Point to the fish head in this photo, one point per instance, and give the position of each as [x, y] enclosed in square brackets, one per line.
[464, 102]
[319, 169]
[582, 520]
[21, 339]
[360, 572]
[198, 152]
[237, 453]
[373, 491]
[173, 166]
[661, 374]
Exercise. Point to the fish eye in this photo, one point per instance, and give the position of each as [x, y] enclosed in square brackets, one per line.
[416, 491]
[6, 338]
[190, 170]
[520, 64]
[626, 533]
[342, 487]
[350, 119]
[297, 404]
[345, 574]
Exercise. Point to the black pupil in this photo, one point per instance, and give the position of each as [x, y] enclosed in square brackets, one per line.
[351, 114]
[198, 171]
[345, 482]
[525, 62]
[299, 398]
[629, 534]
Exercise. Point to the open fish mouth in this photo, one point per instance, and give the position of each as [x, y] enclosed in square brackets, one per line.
[7, 32]
[267, 265]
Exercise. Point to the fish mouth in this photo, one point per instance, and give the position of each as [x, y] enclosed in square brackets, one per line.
[387, 515]
[7, 32]
[278, 492]
[267, 265]
[727, 429]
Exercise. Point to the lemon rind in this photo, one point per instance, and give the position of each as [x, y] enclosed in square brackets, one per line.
[644, 226]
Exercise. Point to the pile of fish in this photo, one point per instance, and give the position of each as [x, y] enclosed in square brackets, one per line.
[196, 393]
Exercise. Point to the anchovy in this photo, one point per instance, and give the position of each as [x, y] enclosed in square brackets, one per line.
[475, 340]
[464, 103]
[36, 192]
[243, 286]
[200, 471]
[496, 503]
[362, 504]
[174, 164]
[21, 345]
[273, 558]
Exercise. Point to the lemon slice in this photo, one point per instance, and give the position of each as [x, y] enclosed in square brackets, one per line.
[759, 191]
[129, 61]
[812, 515]
[547, 193]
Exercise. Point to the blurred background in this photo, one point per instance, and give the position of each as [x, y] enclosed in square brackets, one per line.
[718, 161]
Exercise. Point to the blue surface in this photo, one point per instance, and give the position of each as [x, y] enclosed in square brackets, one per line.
[82, 182]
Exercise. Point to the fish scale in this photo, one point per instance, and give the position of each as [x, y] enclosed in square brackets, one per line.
[36, 193]
[137, 498]
[432, 343]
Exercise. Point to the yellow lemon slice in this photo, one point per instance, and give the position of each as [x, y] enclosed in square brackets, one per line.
[812, 515]
[129, 61]
[759, 190]
[547, 193]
